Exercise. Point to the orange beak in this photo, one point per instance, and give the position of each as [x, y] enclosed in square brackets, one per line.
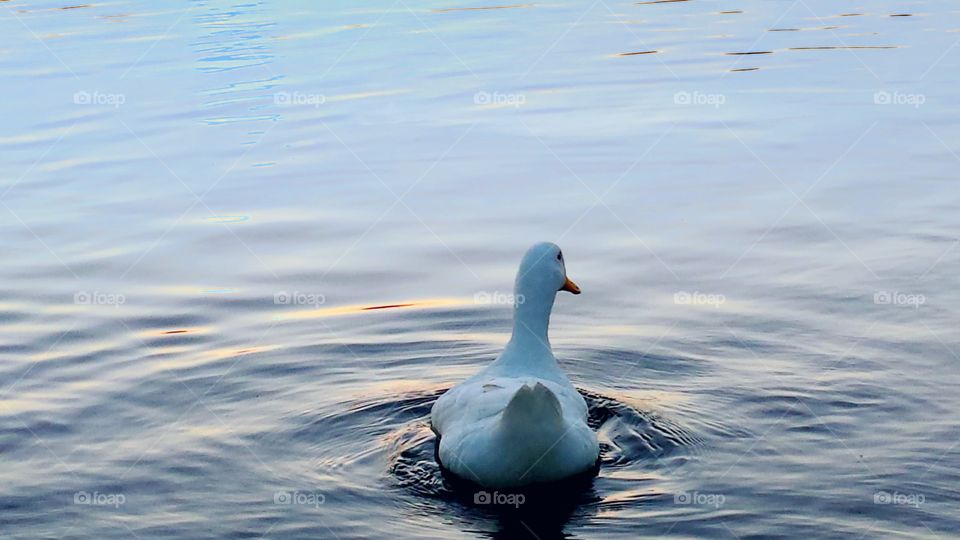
[570, 286]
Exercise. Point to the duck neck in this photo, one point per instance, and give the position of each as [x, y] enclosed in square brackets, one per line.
[531, 319]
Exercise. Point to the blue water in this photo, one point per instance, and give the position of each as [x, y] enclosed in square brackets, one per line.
[199, 200]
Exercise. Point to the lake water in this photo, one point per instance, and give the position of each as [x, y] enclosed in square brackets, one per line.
[200, 203]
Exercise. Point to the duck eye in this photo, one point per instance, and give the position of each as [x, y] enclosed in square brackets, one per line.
[559, 255]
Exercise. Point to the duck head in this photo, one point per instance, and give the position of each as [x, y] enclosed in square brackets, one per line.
[541, 276]
[543, 272]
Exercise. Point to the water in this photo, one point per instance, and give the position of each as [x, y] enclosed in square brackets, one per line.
[200, 200]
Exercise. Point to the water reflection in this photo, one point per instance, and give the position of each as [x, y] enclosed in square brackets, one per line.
[236, 47]
[480, 8]
[300, 203]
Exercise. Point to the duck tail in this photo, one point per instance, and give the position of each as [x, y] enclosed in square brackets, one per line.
[533, 406]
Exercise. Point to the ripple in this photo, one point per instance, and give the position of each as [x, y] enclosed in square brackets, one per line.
[227, 219]
[830, 47]
[637, 53]
[480, 8]
[201, 396]
[629, 438]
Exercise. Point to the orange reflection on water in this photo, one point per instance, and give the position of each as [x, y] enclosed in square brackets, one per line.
[356, 309]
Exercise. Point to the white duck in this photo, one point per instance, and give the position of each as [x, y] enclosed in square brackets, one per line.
[519, 421]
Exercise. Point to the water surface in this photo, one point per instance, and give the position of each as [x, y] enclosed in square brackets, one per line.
[201, 203]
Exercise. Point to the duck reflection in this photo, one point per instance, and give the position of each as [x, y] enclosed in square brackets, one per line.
[539, 512]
